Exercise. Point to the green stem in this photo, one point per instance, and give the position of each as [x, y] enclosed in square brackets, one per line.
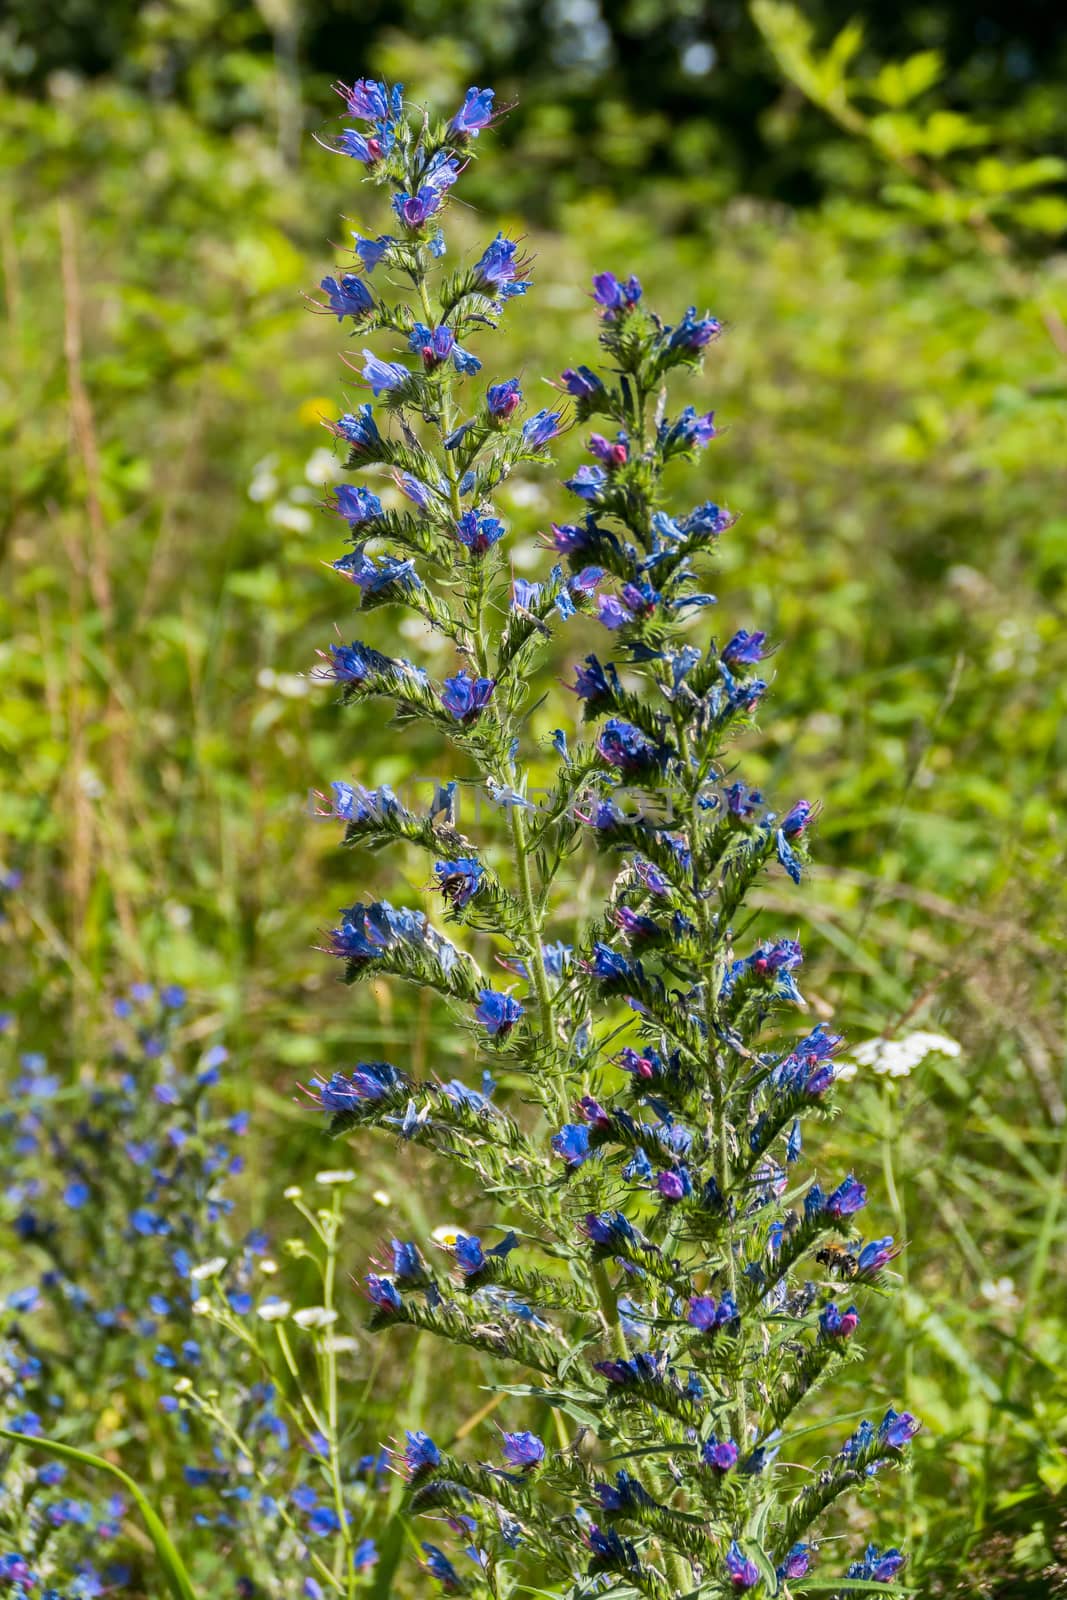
[343, 1561]
[609, 1307]
[889, 1143]
[718, 1083]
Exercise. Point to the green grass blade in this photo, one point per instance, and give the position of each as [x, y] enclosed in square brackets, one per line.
[178, 1581]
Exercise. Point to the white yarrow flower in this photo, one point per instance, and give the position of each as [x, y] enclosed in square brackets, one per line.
[898, 1058]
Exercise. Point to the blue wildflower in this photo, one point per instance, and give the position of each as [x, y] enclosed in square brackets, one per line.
[745, 649]
[694, 333]
[479, 534]
[571, 1144]
[796, 1563]
[465, 698]
[522, 1450]
[355, 504]
[372, 251]
[498, 1013]
[415, 210]
[384, 1293]
[420, 1453]
[499, 269]
[582, 383]
[615, 298]
[439, 1567]
[383, 375]
[474, 114]
[848, 1198]
[348, 296]
[721, 1455]
[877, 1567]
[459, 880]
[623, 746]
[540, 428]
[587, 483]
[368, 100]
[897, 1428]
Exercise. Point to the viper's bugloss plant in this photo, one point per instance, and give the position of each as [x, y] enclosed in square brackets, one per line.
[651, 1269]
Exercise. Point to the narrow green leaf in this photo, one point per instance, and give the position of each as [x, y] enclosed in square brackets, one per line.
[178, 1581]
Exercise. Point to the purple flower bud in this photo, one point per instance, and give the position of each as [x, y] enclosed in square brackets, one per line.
[503, 399]
[478, 534]
[611, 454]
[744, 1574]
[702, 1313]
[674, 1185]
[796, 1563]
[719, 1454]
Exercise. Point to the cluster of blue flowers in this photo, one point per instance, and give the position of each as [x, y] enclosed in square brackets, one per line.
[119, 1200]
[707, 1289]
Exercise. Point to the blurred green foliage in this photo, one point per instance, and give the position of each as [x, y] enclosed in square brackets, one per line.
[896, 414]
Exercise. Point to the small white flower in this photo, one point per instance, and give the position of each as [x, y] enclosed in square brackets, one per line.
[1000, 1293]
[294, 518]
[293, 685]
[380, 1198]
[446, 1234]
[208, 1269]
[332, 1177]
[898, 1058]
[322, 467]
[201, 1307]
[272, 1309]
[294, 1192]
[264, 483]
[314, 1317]
[340, 1344]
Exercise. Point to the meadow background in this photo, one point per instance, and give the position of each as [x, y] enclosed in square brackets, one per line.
[880, 223]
